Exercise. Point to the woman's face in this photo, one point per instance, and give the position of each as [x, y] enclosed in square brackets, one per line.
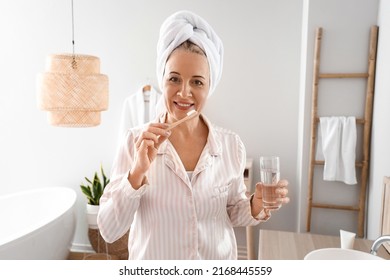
[186, 83]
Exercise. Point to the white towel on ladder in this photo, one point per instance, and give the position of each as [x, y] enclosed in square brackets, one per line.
[338, 137]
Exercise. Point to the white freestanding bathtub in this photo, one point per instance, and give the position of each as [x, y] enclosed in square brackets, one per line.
[37, 224]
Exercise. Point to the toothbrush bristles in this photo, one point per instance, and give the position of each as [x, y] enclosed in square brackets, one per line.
[191, 112]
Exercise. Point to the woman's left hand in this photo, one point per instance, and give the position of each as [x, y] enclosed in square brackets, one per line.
[257, 201]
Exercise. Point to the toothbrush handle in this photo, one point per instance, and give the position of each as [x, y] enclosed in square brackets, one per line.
[181, 121]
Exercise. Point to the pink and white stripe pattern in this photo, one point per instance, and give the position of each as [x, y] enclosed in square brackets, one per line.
[173, 217]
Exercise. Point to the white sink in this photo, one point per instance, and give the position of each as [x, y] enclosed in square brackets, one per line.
[339, 254]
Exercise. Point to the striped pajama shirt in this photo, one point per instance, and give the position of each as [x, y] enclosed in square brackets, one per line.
[174, 216]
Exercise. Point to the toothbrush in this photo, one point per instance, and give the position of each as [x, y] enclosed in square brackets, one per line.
[191, 114]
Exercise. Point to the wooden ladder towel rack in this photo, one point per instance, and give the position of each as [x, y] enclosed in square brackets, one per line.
[366, 122]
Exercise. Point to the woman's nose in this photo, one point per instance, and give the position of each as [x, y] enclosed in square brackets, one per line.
[185, 90]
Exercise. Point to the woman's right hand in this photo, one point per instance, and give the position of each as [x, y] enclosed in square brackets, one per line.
[146, 147]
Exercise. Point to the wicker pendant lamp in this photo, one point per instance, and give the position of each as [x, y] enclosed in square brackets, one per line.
[72, 90]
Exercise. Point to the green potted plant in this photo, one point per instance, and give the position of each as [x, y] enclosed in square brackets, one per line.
[93, 190]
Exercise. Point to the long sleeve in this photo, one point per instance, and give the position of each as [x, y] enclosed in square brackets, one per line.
[238, 205]
[120, 200]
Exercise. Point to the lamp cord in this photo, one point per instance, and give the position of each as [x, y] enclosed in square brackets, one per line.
[74, 63]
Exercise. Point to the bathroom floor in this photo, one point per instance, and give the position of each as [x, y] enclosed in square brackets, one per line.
[90, 256]
[76, 256]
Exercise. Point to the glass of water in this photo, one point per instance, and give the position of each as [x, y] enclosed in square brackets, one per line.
[270, 176]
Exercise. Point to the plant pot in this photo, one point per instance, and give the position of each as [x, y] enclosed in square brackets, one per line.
[117, 249]
[92, 212]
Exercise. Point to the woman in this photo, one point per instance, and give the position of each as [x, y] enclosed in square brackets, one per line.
[181, 190]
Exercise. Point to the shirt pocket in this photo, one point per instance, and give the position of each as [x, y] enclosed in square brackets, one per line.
[221, 191]
[220, 197]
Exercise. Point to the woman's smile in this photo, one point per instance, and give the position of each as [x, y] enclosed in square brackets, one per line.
[184, 106]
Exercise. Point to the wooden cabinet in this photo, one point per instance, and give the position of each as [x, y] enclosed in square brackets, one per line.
[248, 176]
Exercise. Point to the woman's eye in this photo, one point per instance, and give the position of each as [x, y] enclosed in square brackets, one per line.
[198, 83]
[174, 79]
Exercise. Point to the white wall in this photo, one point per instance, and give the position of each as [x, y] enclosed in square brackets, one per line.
[380, 149]
[262, 95]
[345, 40]
[257, 97]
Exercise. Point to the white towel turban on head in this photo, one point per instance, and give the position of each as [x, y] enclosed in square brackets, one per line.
[183, 26]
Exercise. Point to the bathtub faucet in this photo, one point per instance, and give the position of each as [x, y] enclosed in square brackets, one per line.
[378, 242]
